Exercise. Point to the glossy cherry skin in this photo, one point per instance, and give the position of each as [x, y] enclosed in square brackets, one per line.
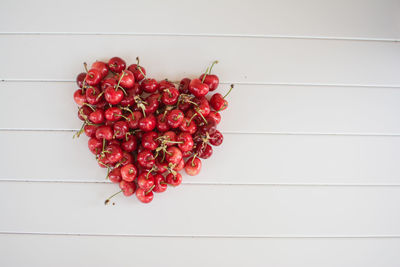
[145, 181]
[113, 114]
[173, 155]
[170, 96]
[149, 140]
[80, 78]
[147, 124]
[146, 159]
[104, 132]
[134, 68]
[113, 96]
[102, 67]
[216, 116]
[188, 126]
[210, 127]
[160, 184]
[93, 77]
[129, 172]
[211, 80]
[109, 82]
[187, 154]
[169, 136]
[93, 95]
[175, 118]
[204, 151]
[179, 166]
[187, 140]
[164, 84]
[144, 196]
[218, 102]
[203, 106]
[161, 167]
[174, 180]
[130, 143]
[217, 138]
[129, 98]
[149, 85]
[114, 153]
[162, 124]
[97, 116]
[184, 86]
[127, 158]
[128, 188]
[193, 166]
[115, 175]
[116, 64]
[90, 130]
[79, 97]
[197, 88]
[103, 161]
[153, 101]
[95, 145]
[126, 79]
[133, 119]
[120, 129]
[84, 112]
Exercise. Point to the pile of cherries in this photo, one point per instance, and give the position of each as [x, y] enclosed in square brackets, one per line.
[145, 131]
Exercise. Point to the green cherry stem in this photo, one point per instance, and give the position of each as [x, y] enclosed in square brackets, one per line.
[151, 189]
[232, 85]
[120, 78]
[205, 74]
[113, 195]
[212, 65]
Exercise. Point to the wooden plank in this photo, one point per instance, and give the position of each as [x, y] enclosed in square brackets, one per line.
[243, 60]
[201, 210]
[51, 250]
[332, 19]
[241, 159]
[253, 108]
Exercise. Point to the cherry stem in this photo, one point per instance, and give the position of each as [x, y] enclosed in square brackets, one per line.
[230, 89]
[113, 195]
[120, 78]
[201, 115]
[188, 123]
[108, 173]
[173, 142]
[151, 189]
[78, 133]
[83, 85]
[212, 65]
[98, 97]
[139, 68]
[194, 156]
[90, 106]
[85, 66]
[205, 74]
[137, 61]
[122, 116]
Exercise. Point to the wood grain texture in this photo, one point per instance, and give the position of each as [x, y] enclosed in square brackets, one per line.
[243, 60]
[66, 251]
[241, 159]
[253, 108]
[201, 210]
[371, 19]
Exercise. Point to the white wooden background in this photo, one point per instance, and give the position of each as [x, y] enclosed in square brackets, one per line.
[308, 175]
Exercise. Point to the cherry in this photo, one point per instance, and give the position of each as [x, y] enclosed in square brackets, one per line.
[104, 132]
[184, 86]
[120, 129]
[113, 153]
[137, 70]
[148, 123]
[133, 119]
[173, 155]
[153, 101]
[216, 116]
[129, 172]
[161, 167]
[113, 114]
[174, 180]
[210, 79]
[218, 101]
[187, 140]
[179, 166]
[90, 130]
[127, 158]
[129, 144]
[164, 84]
[127, 188]
[145, 181]
[170, 96]
[149, 85]
[204, 151]
[115, 175]
[198, 88]
[169, 136]
[116, 64]
[175, 118]
[160, 184]
[203, 106]
[149, 140]
[113, 96]
[126, 79]
[193, 166]
[84, 112]
[187, 154]
[217, 138]
[114, 142]
[209, 127]
[79, 97]
[109, 82]
[95, 145]
[102, 103]
[144, 196]
[93, 77]
[162, 124]
[188, 126]
[97, 116]
[80, 79]
[129, 98]
[103, 161]
[102, 67]
[93, 95]
[146, 158]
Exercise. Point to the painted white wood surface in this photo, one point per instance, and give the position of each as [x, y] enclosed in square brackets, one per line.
[308, 174]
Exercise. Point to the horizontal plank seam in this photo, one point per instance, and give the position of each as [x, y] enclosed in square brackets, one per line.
[208, 183]
[216, 35]
[5, 80]
[224, 132]
[207, 236]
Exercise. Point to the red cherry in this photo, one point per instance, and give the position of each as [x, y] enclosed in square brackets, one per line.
[93, 95]
[93, 77]
[197, 88]
[180, 166]
[103, 161]
[80, 78]
[187, 140]
[97, 116]
[211, 80]
[134, 68]
[115, 175]
[148, 123]
[149, 86]
[216, 116]
[129, 98]
[162, 124]
[113, 114]
[174, 180]
[217, 138]
[84, 112]
[161, 167]
[204, 151]
[127, 158]
[173, 155]
[102, 67]
[116, 64]
[109, 82]
[79, 97]
[149, 140]
[126, 79]
[203, 106]
[153, 101]
[133, 119]
[188, 126]
[129, 172]
[218, 102]
[170, 96]
[175, 118]
[90, 130]
[165, 84]
[146, 159]
[104, 132]
[144, 196]
[184, 86]
[193, 166]
[113, 96]
[187, 153]
[145, 181]
[160, 184]
[129, 144]
[114, 153]
[127, 188]
[95, 145]
[120, 129]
